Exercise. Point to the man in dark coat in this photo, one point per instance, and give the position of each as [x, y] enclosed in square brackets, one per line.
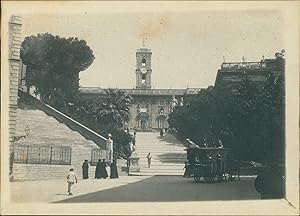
[85, 169]
[271, 182]
[113, 170]
[98, 173]
[103, 168]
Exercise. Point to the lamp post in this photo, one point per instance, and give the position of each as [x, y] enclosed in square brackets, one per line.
[12, 154]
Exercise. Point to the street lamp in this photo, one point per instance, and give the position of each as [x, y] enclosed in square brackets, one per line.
[27, 130]
[12, 154]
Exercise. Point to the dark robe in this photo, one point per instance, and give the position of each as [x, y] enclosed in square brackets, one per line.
[104, 171]
[98, 173]
[114, 170]
[85, 170]
[270, 183]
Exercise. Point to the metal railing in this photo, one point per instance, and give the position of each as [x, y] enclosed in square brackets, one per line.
[42, 154]
[97, 154]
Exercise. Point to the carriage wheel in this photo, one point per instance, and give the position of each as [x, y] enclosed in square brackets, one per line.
[197, 178]
[226, 177]
[231, 177]
[221, 178]
[208, 179]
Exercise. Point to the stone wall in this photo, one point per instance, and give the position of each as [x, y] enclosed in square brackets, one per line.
[29, 172]
[36, 172]
[15, 26]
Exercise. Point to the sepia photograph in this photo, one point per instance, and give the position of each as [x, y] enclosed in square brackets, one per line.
[150, 108]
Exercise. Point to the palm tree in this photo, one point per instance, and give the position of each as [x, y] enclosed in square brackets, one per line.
[113, 108]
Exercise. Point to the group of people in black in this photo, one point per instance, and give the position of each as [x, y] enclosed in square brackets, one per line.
[101, 171]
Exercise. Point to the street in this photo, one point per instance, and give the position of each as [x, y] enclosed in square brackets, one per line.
[171, 188]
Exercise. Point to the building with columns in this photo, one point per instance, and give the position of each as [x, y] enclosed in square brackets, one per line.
[232, 73]
[150, 107]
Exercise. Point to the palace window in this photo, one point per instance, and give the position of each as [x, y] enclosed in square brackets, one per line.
[143, 78]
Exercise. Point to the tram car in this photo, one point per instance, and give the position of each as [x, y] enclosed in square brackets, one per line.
[212, 164]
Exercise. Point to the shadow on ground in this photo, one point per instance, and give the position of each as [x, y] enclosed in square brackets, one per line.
[170, 189]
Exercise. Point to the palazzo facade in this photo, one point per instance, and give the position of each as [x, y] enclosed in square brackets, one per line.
[150, 107]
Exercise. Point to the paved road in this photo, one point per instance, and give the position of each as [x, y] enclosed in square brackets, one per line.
[171, 188]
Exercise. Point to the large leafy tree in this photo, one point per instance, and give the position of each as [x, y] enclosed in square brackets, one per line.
[53, 66]
[107, 114]
[248, 119]
[112, 108]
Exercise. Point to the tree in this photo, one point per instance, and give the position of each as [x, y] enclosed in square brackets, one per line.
[249, 120]
[113, 108]
[107, 114]
[53, 66]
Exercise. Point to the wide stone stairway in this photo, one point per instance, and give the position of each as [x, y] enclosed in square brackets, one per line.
[168, 155]
[45, 130]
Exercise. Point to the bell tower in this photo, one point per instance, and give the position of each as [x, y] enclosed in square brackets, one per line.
[143, 68]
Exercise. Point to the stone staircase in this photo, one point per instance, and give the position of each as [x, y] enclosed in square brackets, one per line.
[46, 130]
[168, 155]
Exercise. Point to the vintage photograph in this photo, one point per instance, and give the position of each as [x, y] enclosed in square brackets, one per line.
[137, 106]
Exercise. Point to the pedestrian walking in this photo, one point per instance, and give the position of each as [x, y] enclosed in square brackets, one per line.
[104, 171]
[71, 179]
[270, 182]
[149, 159]
[98, 172]
[114, 170]
[85, 169]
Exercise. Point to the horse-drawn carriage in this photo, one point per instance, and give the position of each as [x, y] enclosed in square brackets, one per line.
[211, 164]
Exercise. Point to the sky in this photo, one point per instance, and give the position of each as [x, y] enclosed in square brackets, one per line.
[188, 47]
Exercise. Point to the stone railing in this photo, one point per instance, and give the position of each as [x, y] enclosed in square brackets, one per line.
[243, 65]
[71, 123]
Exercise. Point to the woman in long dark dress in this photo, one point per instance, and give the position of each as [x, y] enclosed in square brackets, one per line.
[85, 169]
[98, 173]
[104, 171]
[113, 170]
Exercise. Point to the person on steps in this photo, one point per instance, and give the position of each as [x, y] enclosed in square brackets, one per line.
[149, 160]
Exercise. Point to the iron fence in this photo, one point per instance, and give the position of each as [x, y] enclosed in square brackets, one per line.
[96, 155]
[41, 154]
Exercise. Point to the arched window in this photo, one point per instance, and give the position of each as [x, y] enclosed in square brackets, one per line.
[143, 79]
[143, 62]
